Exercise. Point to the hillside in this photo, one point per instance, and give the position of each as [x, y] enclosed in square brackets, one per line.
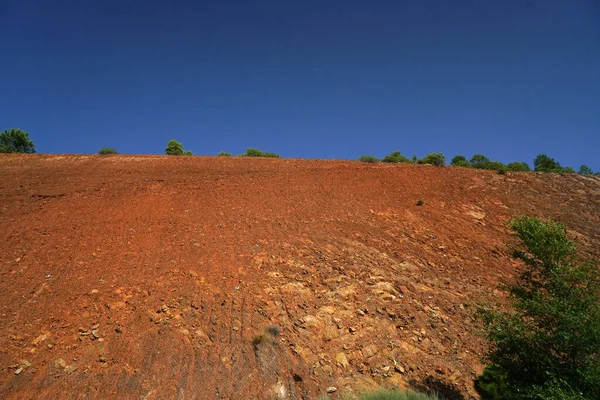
[222, 277]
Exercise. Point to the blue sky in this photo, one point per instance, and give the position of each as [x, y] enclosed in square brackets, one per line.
[313, 79]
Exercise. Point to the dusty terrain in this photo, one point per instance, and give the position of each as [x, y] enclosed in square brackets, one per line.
[153, 277]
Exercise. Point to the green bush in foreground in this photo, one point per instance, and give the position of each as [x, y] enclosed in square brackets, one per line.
[436, 159]
[224, 154]
[548, 345]
[252, 152]
[16, 141]
[368, 159]
[107, 150]
[396, 157]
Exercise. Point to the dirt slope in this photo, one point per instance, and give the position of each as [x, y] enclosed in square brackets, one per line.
[159, 277]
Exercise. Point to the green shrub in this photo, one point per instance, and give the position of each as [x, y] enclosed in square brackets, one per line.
[107, 150]
[502, 170]
[460, 161]
[174, 148]
[251, 152]
[16, 141]
[224, 154]
[518, 167]
[395, 157]
[436, 159]
[568, 170]
[585, 170]
[543, 163]
[414, 159]
[549, 342]
[480, 161]
[368, 159]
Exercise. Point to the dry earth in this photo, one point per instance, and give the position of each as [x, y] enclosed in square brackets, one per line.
[150, 277]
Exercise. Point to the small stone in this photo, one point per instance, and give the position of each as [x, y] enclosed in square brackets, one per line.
[60, 363]
[95, 334]
[71, 368]
[81, 329]
[19, 370]
[95, 326]
[164, 308]
[94, 291]
[342, 360]
[102, 359]
[331, 389]
[18, 259]
[50, 346]
[399, 368]
[369, 351]
[26, 363]
[118, 329]
[352, 329]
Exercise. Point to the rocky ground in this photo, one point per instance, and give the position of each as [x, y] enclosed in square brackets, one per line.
[233, 278]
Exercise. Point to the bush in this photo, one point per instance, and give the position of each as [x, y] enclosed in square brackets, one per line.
[224, 154]
[16, 141]
[251, 152]
[518, 167]
[550, 341]
[460, 161]
[368, 159]
[107, 150]
[436, 159]
[585, 170]
[480, 161]
[396, 157]
[174, 148]
[568, 170]
[543, 163]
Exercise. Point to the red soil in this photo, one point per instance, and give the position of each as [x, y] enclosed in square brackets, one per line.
[155, 277]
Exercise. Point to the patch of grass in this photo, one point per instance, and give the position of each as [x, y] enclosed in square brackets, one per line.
[394, 395]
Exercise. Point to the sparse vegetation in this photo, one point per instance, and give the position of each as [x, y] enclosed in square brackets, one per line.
[174, 148]
[16, 141]
[107, 150]
[479, 161]
[396, 157]
[548, 345]
[369, 159]
[436, 159]
[224, 154]
[252, 152]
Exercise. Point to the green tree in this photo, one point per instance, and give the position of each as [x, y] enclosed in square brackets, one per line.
[480, 161]
[547, 346]
[460, 161]
[107, 150]
[396, 157]
[436, 159]
[174, 148]
[518, 167]
[585, 170]
[16, 141]
[543, 163]
[224, 154]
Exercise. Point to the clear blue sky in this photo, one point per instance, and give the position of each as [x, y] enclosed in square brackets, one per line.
[313, 79]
